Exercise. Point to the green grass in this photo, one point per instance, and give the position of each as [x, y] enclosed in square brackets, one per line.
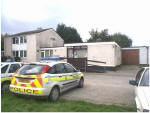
[13, 103]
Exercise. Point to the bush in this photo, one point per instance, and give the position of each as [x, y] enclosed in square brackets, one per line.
[17, 59]
[4, 58]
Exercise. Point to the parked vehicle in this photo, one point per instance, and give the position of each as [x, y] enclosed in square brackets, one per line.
[46, 79]
[142, 90]
[7, 69]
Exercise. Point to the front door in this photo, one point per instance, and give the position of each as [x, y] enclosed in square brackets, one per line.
[77, 56]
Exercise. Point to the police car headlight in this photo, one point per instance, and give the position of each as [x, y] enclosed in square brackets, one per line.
[145, 110]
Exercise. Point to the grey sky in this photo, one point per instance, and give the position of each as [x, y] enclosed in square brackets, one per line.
[130, 17]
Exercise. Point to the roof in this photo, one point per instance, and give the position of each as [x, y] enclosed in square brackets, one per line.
[129, 48]
[135, 47]
[51, 63]
[30, 32]
[93, 43]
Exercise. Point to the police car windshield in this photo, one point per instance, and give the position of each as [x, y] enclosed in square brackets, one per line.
[30, 69]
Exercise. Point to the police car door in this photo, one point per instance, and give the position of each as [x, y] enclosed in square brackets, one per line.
[61, 73]
[71, 75]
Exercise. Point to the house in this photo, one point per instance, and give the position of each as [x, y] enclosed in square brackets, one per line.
[78, 53]
[135, 55]
[27, 45]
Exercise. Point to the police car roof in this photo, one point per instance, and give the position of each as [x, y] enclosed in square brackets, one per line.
[10, 62]
[46, 63]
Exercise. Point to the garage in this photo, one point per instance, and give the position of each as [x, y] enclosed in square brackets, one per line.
[130, 56]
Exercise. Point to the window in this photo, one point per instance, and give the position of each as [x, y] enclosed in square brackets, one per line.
[14, 40]
[30, 69]
[17, 40]
[13, 68]
[52, 38]
[21, 40]
[52, 70]
[60, 68]
[47, 53]
[21, 53]
[25, 53]
[70, 53]
[14, 53]
[138, 76]
[4, 69]
[145, 79]
[51, 53]
[25, 39]
[42, 54]
[69, 68]
[17, 54]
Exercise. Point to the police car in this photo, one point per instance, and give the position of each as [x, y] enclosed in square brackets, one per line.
[7, 69]
[46, 79]
[142, 90]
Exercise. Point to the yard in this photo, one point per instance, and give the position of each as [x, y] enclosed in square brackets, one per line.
[102, 92]
[12, 103]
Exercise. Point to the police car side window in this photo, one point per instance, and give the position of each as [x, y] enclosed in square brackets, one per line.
[52, 70]
[60, 68]
[13, 68]
[138, 76]
[3, 70]
[69, 68]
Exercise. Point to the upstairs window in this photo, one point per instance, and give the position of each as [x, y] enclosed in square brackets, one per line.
[21, 40]
[25, 39]
[52, 38]
[17, 40]
[14, 40]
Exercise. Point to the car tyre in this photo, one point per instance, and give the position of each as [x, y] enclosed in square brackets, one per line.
[5, 87]
[54, 94]
[81, 82]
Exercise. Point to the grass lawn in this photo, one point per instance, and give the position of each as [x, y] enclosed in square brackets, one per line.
[13, 103]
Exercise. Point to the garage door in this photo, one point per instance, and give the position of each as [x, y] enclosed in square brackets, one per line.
[130, 57]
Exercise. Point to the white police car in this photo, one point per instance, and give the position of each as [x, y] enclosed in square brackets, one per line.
[142, 90]
[46, 79]
[7, 69]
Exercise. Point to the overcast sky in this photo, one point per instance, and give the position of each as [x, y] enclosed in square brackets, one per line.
[130, 17]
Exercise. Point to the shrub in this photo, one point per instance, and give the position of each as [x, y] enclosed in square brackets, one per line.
[17, 59]
[4, 58]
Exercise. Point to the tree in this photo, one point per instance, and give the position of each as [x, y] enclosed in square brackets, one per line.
[121, 39]
[69, 34]
[99, 36]
[2, 40]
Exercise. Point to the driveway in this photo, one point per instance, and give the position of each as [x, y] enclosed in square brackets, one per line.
[106, 88]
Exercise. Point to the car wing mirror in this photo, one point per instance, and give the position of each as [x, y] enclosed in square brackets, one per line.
[132, 82]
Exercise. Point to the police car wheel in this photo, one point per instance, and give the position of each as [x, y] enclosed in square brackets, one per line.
[81, 82]
[5, 87]
[54, 95]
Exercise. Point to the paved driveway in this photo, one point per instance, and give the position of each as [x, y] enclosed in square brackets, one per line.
[106, 88]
